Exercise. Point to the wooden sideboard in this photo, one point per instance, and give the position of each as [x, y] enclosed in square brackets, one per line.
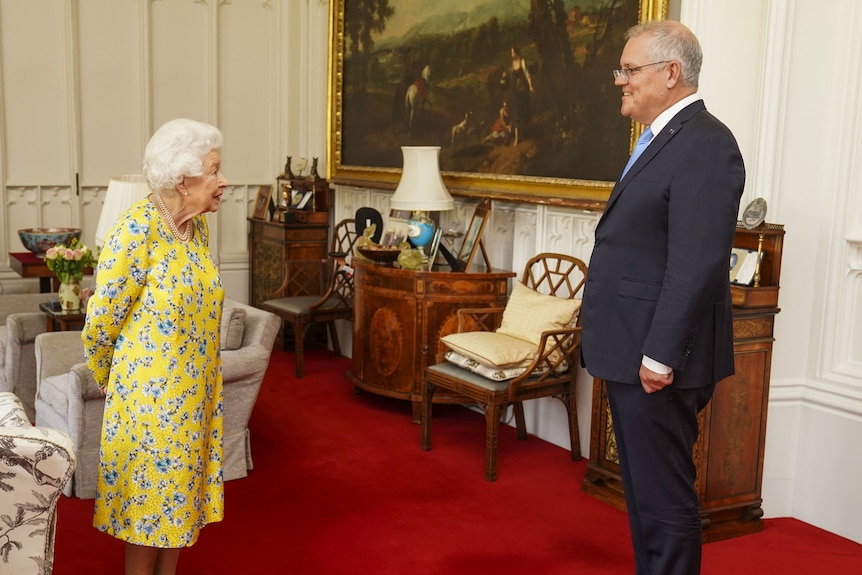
[729, 450]
[399, 317]
[271, 244]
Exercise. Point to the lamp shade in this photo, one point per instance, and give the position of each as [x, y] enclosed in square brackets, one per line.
[122, 193]
[421, 188]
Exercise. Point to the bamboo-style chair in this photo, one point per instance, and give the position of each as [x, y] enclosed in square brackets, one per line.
[550, 372]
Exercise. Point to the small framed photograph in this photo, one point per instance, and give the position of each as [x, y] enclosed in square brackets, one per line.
[296, 197]
[434, 246]
[473, 237]
[305, 199]
[262, 203]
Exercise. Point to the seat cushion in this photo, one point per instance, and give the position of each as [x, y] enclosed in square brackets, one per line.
[505, 353]
[493, 349]
[487, 371]
[297, 305]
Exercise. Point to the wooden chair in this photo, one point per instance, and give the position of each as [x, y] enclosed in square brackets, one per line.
[317, 291]
[551, 373]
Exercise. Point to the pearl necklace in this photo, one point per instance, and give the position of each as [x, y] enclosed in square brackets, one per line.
[184, 237]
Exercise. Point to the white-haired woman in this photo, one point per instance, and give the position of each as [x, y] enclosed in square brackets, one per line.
[152, 341]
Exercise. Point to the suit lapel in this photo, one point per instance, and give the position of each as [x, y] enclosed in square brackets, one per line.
[659, 141]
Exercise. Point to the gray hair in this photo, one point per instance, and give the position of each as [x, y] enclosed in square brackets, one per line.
[178, 149]
[673, 41]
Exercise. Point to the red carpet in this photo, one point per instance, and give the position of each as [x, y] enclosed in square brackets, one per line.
[340, 486]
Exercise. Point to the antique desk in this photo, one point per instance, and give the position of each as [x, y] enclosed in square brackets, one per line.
[399, 317]
[729, 450]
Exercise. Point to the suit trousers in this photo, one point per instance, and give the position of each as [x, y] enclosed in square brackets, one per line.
[655, 435]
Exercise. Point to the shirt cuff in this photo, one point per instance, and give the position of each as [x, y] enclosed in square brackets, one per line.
[655, 366]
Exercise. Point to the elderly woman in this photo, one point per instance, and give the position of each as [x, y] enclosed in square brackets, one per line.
[152, 341]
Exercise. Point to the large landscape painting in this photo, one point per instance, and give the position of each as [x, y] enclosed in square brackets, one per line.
[518, 94]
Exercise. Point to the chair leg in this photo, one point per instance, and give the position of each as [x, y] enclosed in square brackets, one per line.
[574, 431]
[427, 396]
[299, 348]
[333, 335]
[492, 434]
[520, 421]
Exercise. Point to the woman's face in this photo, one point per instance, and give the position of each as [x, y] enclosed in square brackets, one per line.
[204, 192]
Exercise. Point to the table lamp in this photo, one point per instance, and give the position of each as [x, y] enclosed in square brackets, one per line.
[421, 190]
[122, 193]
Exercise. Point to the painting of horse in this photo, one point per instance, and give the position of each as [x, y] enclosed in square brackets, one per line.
[416, 97]
[449, 73]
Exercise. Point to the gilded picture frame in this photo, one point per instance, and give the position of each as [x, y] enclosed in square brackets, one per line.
[515, 119]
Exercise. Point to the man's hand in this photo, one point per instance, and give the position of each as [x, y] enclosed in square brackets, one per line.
[652, 381]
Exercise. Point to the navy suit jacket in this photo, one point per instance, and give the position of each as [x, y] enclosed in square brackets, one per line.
[658, 276]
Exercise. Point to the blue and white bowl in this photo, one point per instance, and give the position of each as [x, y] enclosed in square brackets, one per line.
[38, 240]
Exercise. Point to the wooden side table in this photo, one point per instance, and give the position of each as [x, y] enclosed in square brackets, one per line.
[28, 265]
[57, 319]
[399, 317]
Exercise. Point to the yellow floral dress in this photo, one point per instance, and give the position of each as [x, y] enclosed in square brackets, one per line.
[152, 340]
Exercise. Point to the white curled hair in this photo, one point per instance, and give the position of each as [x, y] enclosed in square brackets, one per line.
[178, 149]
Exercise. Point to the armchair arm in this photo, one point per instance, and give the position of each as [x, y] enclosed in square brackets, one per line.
[25, 326]
[556, 356]
[252, 358]
[57, 352]
[84, 379]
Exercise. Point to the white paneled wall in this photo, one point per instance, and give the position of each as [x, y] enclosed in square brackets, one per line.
[85, 82]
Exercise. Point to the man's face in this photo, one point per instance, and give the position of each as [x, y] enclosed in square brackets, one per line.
[645, 93]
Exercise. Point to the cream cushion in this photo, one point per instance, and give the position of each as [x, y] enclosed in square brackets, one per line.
[528, 314]
[493, 373]
[493, 349]
[505, 353]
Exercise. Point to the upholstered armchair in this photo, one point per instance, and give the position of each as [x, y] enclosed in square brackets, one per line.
[35, 464]
[20, 323]
[68, 398]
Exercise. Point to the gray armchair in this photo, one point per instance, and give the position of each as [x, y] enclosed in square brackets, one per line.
[20, 323]
[69, 400]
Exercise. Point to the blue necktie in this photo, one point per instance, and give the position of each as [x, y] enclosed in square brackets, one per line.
[639, 148]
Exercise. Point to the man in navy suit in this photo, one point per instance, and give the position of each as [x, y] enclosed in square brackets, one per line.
[657, 311]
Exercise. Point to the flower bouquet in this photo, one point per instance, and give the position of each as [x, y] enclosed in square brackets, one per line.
[69, 263]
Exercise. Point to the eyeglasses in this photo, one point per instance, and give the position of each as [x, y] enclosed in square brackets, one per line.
[626, 73]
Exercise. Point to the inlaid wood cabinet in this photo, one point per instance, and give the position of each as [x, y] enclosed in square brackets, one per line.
[399, 317]
[730, 446]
